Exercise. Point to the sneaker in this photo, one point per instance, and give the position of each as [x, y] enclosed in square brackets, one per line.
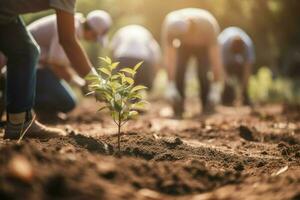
[31, 129]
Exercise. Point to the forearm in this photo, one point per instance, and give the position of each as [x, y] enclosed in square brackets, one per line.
[68, 40]
[62, 72]
[77, 57]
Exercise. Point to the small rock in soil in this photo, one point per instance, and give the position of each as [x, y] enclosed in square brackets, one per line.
[20, 168]
[172, 142]
[246, 133]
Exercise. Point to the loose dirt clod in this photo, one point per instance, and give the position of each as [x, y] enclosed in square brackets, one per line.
[172, 142]
[246, 133]
[20, 168]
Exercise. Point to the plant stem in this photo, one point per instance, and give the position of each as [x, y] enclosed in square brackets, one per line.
[119, 132]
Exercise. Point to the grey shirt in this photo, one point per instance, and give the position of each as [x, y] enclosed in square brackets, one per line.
[192, 26]
[44, 31]
[135, 41]
[225, 40]
[10, 9]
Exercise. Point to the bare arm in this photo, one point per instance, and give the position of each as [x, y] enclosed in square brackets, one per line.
[62, 72]
[70, 43]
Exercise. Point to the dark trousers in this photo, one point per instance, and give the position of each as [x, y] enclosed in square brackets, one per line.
[22, 56]
[52, 94]
[184, 54]
[229, 95]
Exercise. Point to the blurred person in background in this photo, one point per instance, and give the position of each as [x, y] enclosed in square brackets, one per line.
[22, 53]
[239, 58]
[132, 44]
[54, 72]
[186, 33]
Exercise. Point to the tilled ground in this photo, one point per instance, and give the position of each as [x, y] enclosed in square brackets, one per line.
[237, 153]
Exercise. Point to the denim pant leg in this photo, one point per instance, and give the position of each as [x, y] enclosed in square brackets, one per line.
[22, 54]
[52, 94]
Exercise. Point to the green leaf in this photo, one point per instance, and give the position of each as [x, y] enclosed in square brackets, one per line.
[122, 77]
[105, 71]
[136, 96]
[104, 107]
[92, 77]
[137, 66]
[114, 65]
[106, 60]
[137, 88]
[116, 87]
[132, 114]
[129, 80]
[109, 61]
[115, 76]
[94, 86]
[139, 105]
[129, 71]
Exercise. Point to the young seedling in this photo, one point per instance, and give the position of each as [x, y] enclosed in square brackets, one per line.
[116, 88]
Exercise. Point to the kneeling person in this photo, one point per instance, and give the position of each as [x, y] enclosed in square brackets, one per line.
[53, 93]
[238, 57]
[133, 44]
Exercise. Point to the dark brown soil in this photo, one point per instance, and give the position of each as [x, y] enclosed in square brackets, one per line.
[237, 153]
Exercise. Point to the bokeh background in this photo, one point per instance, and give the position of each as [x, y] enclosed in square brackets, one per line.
[274, 26]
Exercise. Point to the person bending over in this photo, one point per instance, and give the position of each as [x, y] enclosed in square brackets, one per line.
[133, 44]
[238, 57]
[53, 93]
[190, 33]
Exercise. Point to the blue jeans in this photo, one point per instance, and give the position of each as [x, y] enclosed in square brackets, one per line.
[52, 94]
[22, 53]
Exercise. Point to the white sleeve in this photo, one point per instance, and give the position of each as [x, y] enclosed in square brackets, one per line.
[57, 54]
